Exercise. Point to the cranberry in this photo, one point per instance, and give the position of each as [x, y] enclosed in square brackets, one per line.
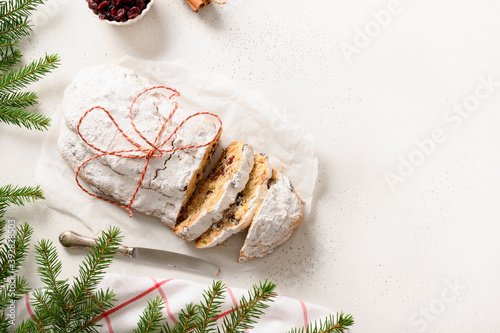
[133, 12]
[93, 4]
[103, 5]
[117, 10]
[120, 14]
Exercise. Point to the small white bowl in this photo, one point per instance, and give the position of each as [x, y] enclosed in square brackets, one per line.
[128, 22]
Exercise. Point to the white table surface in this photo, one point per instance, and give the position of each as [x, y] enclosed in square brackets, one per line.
[420, 256]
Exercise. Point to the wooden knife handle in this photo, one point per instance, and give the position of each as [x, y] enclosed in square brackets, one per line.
[71, 239]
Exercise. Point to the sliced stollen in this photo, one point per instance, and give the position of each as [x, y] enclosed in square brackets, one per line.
[217, 192]
[279, 215]
[170, 179]
[238, 217]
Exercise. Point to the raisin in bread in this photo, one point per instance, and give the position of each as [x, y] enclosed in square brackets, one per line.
[171, 179]
[217, 192]
[238, 217]
[279, 215]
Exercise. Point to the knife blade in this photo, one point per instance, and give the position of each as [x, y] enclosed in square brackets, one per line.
[71, 239]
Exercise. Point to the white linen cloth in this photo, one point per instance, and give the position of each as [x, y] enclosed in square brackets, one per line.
[134, 292]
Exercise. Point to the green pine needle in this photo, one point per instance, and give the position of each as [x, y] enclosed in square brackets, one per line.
[14, 20]
[49, 269]
[18, 100]
[24, 118]
[332, 324]
[13, 29]
[96, 262]
[248, 312]
[61, 307]
[209, 309]
[29, 73]
[20, 195]
[14, 25]
[151, 317]
[11, 258]
[18, 8]
[8, 58]
[187, 320]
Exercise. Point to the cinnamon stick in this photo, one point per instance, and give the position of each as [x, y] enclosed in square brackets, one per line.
[196, 5]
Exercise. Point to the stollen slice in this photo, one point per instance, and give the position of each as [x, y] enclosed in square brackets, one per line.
[280, 214]
[217, 192]
[239, 216]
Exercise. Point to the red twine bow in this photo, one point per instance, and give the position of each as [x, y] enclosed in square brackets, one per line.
[152, 150]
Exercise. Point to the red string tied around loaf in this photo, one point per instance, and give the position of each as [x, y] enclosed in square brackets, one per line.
[153, 149]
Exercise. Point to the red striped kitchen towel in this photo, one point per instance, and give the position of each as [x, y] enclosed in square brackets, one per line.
[134, 292]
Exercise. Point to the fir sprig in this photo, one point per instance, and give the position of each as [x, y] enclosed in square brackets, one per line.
[14, 19]
[150, 319]
[28, 74]
[248, 312]
[23, 118]
[187, 320]
[332, 324]
[209, 309]
[64, 307]
[14, 104]
[13, 252]
[17, 195]
[18, 8]
[11, 257]
[11, 58]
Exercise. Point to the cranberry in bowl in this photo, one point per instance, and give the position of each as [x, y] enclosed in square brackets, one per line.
[120, 12]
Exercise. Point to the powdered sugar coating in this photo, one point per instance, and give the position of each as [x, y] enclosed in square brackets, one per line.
[230, 190]
[280, 214]
[170, 178]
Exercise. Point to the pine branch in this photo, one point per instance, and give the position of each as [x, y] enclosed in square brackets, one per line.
[20, 195]
[8, 58]
[43, 315]
[332, 324]
[12, 29]
[247, 313]
[92, 271]
[29, 73]
[7, 293]
[187, 320]
[23, 118]
[151, 317]
[13, 253]
[14, 20]
[209, 309]
[52, 302]
[61, 307]
[93, 307]
[19, 8]
[18, 100]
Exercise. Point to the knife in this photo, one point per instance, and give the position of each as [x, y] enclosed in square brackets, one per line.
[71, 239]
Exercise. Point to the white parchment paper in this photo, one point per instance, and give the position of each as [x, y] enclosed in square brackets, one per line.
[246, 117]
